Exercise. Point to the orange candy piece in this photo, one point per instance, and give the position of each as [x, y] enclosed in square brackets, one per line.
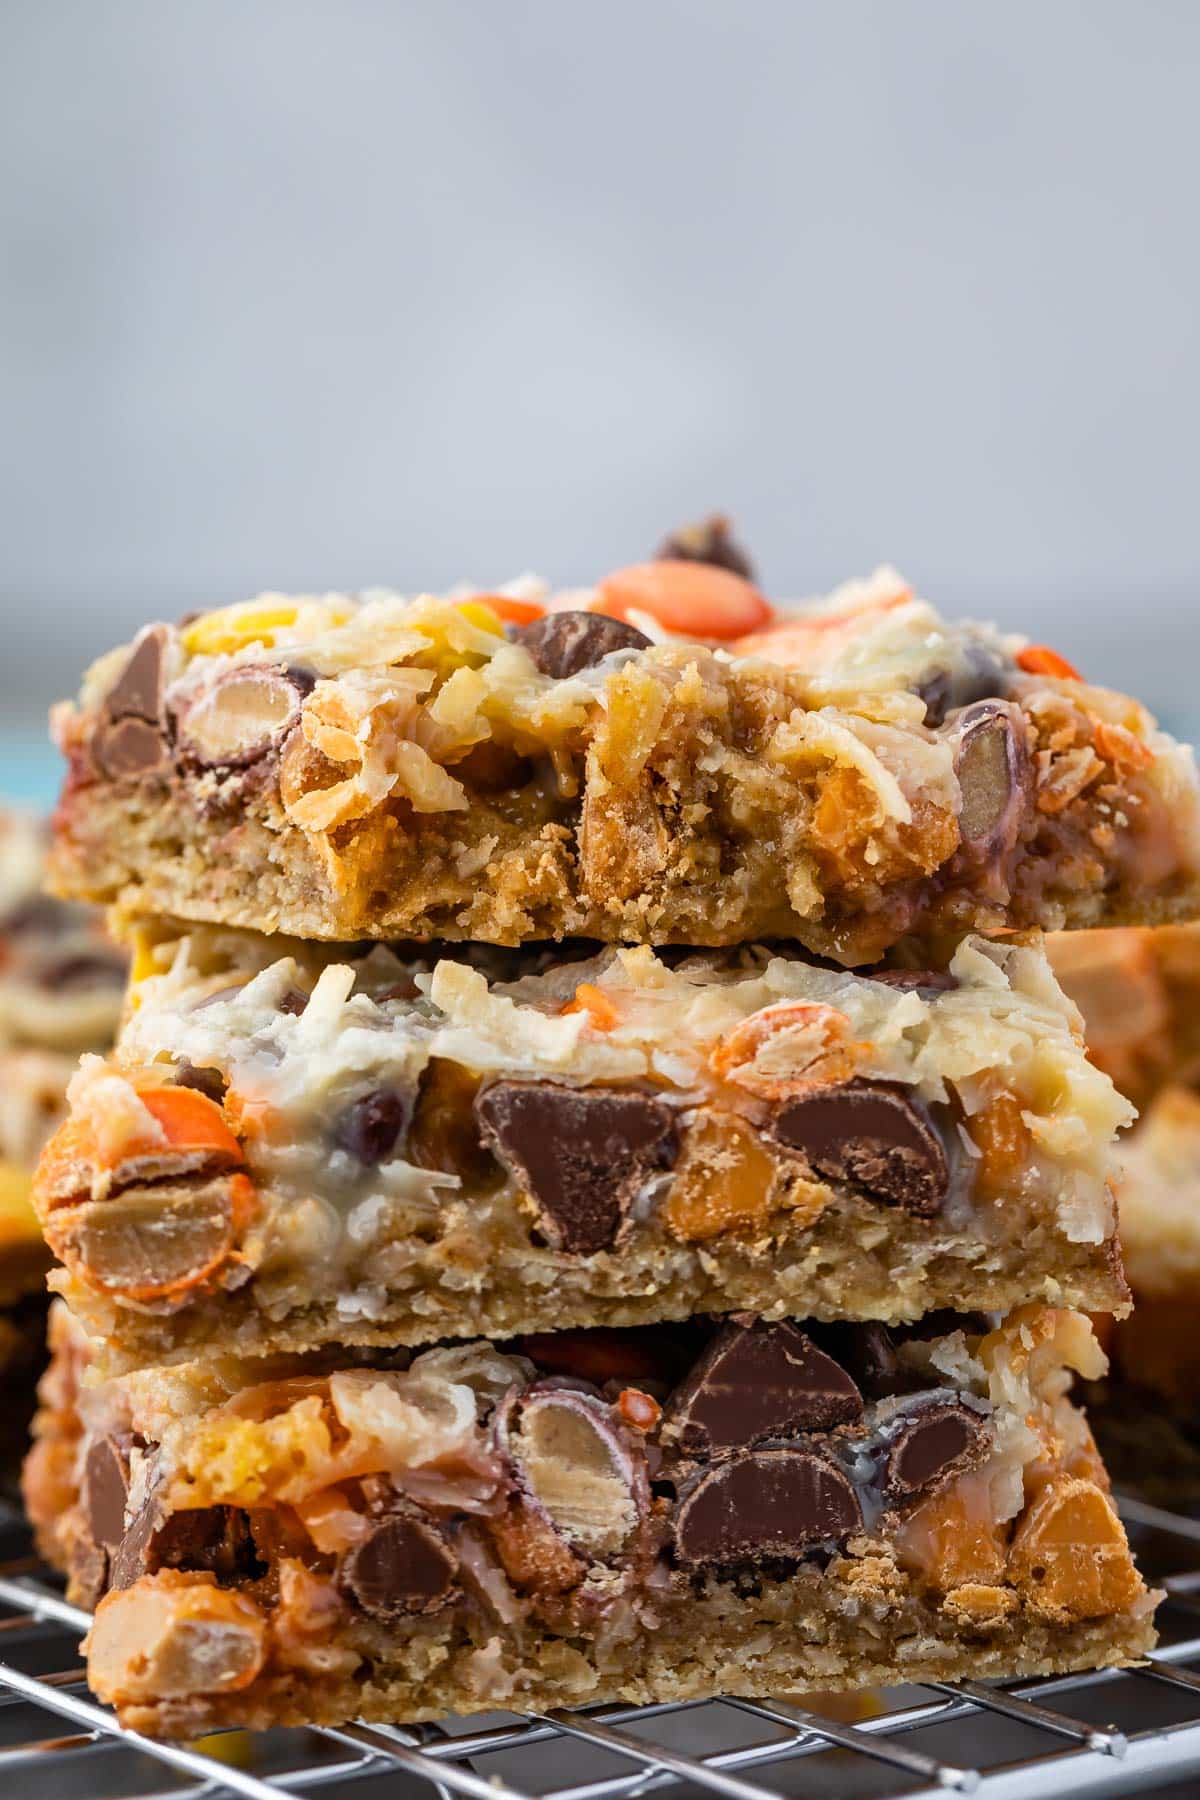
[1040, 659]
[589, 999]
[952, 1539]
[726, 1181]
[513, 612]
[190, 1120]
[1069, 1554]
[691, 599]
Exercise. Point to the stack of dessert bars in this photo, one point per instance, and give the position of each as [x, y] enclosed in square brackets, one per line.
[598, 1188]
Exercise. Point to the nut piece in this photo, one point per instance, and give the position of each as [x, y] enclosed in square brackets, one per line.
[154, 1243]
[405, 1566]
[174, 1636]
[1070, 1557]
[243, 716]
[995, 775]
[575, 1463]
[582, 1153]
[765, 1503]
[872, 1135]
[563, 643]
[933, 1443]
[757, 1381]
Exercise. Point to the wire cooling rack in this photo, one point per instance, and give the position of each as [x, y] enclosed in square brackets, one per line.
[1111, 1732]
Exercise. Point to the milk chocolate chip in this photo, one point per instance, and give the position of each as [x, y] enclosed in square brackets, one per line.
[103, 1490]
[563, 643]
[872, 1135]
[209, 1082]
[995, 776]
[404, 1566]
[709, 541]
[765, 1503]
[581, 1153]
[129, 738]
[980, 674]
[758, 1381]
[216, 1539]
[935, 1443]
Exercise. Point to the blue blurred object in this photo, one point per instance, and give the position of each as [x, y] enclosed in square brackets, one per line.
[30, 770]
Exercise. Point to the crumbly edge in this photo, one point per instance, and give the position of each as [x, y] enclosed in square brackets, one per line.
[253, 868]
[859, 1260]
[789, 1637]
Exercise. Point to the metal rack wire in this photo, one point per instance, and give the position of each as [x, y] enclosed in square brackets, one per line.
[1103, 1733]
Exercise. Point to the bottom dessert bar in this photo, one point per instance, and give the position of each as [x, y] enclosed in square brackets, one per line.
[639, 1516]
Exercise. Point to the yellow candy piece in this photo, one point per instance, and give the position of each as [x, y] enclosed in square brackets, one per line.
[480, 614]
[17, 1217]
[232, 627]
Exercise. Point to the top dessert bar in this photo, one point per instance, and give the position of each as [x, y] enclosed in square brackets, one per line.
[661, 759]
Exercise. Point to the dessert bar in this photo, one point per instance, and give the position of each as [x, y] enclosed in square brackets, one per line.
[655, 1515]
[294, 1145]
[662, 758]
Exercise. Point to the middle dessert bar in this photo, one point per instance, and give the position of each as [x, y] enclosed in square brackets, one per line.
[297, 1145]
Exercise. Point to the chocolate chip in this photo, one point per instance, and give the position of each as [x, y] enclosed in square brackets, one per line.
[132, 1558]
[213, 1538]
[128, 747]
[869, 1351]
[582, 1153]
[372, 1126]
[563, 643]
[404, 1566]
[209, 1082]
[83, 969]
[995, 776]
[710, 541]
[103, 1490]
[216, 1539]
[129, 737]
[980, 674]
[915, 981]
[87, 1564]
[933, 1444]
[294, 1002]
[137, 691]
[872, 1135]
[757, 1381]
[765, 1503]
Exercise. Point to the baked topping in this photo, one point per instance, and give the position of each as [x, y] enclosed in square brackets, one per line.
[755, 1381]
[871, 1135]
[581, 1153]
[765, 1503]
[565, 643]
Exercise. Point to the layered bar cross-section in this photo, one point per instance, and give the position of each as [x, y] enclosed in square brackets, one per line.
[619, 763]
[645, 1516]
[293, 1149]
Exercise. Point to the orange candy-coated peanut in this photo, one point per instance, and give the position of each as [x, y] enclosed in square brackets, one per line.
[640, 1410]
[1040, 659]
[726, 1181]
[1069, 1555]
[952, 1540]
[691, 599]
[190, 1120]
[812, 1046]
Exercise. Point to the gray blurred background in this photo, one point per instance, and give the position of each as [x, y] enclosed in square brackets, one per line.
[309, 293]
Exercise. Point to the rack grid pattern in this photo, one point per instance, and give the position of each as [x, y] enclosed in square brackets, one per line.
[1103, 1733]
